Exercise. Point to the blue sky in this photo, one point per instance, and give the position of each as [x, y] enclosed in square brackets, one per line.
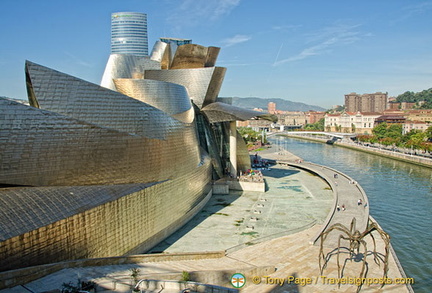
[305, 51]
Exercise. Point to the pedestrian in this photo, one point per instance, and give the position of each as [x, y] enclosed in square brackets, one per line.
[343, 207]
[338, 208]
[359, 202]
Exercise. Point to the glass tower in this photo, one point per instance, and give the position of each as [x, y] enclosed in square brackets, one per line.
[129, 33]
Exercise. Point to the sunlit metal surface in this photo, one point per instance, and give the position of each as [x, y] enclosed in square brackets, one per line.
[42, 148]
[158, 51]
[87, 171]
[221, 112]
[202, 84]
[194, 56]
[243, 158]
[50, 224]
[126, 66]
[168, 97]
[82, 100]
[95, 156]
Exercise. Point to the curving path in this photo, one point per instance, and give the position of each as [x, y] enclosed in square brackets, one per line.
[346, 193]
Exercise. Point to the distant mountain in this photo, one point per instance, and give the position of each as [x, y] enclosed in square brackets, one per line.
[284, 105]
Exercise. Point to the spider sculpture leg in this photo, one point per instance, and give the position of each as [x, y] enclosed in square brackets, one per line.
[386, 238]
[323, 237]
[376, 259]
[339, 270]
[364, 259]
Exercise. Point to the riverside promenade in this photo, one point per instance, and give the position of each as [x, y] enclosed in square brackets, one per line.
[269, 237]
[346, 194]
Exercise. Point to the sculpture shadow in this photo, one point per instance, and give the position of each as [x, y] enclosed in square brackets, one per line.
[279, 173]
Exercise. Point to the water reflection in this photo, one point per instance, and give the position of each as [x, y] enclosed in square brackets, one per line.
[400, 196]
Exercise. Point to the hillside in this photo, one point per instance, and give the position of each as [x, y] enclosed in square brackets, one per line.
[284, 105]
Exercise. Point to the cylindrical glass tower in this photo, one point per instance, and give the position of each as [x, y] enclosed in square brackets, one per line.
[129, 33]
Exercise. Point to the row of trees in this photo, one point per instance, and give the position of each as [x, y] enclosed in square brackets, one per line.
[412, 97]
[391, 135]
[251, 136]
[317, 126]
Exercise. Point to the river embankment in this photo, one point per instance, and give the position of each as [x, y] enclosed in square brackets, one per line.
[399, 194]
[408, 158]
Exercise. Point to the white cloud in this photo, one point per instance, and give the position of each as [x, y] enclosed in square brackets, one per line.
[195, 12]
[237, 39]
[289, 27]
[417, 9]
[326, 39]
[78, 60]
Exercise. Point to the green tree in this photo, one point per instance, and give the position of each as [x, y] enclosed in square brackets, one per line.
[394, 131]
[380, 130]
[248, 134]
[417, 139]
[429, 133]
[407, 136]
[317, 126]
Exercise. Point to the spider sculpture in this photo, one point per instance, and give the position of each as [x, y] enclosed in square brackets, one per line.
[356, 240]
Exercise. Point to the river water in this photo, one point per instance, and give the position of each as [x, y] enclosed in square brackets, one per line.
[400, 196]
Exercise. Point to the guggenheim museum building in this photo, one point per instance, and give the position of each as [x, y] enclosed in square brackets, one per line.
[91, 170]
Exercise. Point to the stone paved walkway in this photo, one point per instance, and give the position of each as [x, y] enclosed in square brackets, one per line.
[347, 193]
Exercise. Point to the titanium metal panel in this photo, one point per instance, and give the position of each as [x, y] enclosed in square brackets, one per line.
[221, 112]
[243, 158]
[194, 56]
[168, 97]
[212, 54]
[97, 221]
[126, 66]
[82, 100]
[30, 208]
[189, 56]
[42, 148]
[158, 51]
[203, 84]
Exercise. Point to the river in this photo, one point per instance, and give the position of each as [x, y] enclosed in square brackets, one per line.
[400, 197]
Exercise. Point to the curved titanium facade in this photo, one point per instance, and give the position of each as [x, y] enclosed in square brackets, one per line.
[176, 99]
[129, 33]
[106, 174]
[194, 56]
[87, 171]
[221, 112]
[82, 100]
[126, 66]
[203, 84]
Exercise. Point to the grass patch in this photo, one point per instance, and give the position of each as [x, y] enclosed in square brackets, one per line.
[222, 214]
[249, 233]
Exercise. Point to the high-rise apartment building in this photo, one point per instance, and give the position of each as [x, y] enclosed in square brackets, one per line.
[271, 108]
[129, 33]
[376, 102]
